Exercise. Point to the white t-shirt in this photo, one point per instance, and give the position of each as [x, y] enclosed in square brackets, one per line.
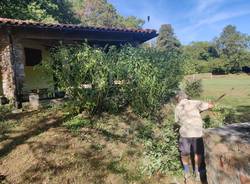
[187, 115]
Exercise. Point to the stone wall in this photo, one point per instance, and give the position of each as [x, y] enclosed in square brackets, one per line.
[227, 152]
[6, 67]
[19, 63]
[12, 65]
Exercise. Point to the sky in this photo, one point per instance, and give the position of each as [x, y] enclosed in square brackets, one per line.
[192, 20]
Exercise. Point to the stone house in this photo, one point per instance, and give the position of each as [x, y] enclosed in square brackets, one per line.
[25, 44]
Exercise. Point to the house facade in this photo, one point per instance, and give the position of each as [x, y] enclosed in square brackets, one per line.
[25, 44]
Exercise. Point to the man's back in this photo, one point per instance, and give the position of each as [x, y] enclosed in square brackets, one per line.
[187, 115]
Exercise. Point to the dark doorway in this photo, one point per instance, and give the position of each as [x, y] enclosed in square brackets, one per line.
[32, 56]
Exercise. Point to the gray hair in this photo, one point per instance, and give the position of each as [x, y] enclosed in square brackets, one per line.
[181, 95]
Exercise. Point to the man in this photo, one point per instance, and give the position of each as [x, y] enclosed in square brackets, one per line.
[188, 117]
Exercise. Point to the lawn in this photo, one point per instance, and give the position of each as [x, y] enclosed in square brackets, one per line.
[237, 89]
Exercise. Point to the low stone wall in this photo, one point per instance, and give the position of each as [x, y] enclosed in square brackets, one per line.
[227, 153]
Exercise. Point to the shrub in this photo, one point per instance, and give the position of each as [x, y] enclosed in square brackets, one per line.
[219, 116]
[193, 88]
[89, 76]
[162, 153]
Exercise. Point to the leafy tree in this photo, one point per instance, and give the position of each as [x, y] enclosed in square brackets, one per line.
[193, 88]
[42, 10]
[201, 51]
[233, 45]
[140, 77]
[102, 13]
[131, 22]
[167, 40]
[86, 12]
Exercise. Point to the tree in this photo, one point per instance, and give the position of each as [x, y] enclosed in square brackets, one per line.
[201, 51]
[167, 40]
[86, 12]
[147, 76]
[131, 22]
[233, 45]
[42, 10]
[102, 13]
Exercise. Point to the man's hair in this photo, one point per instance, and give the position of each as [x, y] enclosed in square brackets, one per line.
[181, 95]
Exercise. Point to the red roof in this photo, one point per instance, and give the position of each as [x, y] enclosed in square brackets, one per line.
[34, 24]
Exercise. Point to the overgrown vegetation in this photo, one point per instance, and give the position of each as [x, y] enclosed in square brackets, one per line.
[219, 116]
[128, 76]
[98, 80]
[193, 88]
[161, 154]
[156, 142]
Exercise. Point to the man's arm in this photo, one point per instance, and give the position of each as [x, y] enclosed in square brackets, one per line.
[202, 106]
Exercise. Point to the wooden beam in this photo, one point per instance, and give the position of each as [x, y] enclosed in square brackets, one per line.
[73, 35]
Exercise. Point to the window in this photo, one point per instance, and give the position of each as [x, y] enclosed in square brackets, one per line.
[32, 56]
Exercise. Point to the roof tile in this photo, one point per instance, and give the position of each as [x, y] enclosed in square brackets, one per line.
[28, 23]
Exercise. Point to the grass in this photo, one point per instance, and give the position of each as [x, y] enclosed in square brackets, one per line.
[48, 146]
[237, 90]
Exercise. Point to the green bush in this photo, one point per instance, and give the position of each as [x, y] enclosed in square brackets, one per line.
[162, 153]
[98, 80]
[193, 88]
[219, 116]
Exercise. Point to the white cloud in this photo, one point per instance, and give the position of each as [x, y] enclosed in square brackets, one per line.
[203, 5]
[216, 18]
[192, 31]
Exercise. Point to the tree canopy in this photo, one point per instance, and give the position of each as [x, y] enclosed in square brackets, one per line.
[167, 40]
[102, 13]
[201, 51]
[231, 41]
[233, 45]
[43, 10]
[86, 12]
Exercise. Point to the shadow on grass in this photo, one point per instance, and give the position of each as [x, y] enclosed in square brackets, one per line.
[25, 114]
[38, 128]
[55, 161]
[61, 159]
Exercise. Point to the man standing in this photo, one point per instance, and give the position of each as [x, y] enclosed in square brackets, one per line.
[187, 115]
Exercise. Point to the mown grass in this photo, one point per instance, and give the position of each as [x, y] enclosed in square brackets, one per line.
[237, 90]
[236, 87]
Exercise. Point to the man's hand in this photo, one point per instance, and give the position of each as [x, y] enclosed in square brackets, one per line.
[210, 105]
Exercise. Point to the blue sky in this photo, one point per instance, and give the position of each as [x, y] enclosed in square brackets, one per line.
[193, 20]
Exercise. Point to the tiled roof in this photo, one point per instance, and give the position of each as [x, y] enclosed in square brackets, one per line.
[33, 24]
